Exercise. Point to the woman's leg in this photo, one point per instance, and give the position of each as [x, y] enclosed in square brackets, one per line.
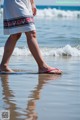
[8, 49]
[35, 50]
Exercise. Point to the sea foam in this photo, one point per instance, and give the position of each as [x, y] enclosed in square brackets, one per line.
[52, 13]
[57, 52]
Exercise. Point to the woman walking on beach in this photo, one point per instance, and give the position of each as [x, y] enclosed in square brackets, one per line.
[18, 19]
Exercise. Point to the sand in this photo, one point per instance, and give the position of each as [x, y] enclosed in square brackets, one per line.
[42, 97]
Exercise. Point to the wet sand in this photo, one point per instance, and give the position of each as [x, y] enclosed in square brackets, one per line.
[42, 97]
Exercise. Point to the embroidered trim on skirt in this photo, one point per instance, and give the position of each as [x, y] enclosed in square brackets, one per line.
[18, 16]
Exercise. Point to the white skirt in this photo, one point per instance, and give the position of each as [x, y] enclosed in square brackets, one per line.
[18, 16]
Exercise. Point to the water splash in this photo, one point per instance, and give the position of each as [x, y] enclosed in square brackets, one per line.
[55, 13]
[63, 51]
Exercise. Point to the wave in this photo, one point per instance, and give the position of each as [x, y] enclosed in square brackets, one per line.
[64, 51]
[52, 13]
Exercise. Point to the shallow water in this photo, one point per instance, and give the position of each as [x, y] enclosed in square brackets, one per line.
[32, 96]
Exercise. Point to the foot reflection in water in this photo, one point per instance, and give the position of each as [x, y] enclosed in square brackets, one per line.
[35, 94]
[9, 98]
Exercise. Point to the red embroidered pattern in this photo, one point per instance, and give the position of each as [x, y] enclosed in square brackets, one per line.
[18, 22]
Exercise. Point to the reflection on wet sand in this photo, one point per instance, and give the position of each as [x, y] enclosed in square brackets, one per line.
[9, 98]
[35, 95]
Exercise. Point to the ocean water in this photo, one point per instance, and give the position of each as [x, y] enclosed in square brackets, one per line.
[43, 97]
[58, 32]
[72, 8]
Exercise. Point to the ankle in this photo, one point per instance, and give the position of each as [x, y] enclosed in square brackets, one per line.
[42, 66]
[3, 65]
[5, 68]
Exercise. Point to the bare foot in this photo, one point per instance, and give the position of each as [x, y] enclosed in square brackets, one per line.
[49, 70]
[5, 69]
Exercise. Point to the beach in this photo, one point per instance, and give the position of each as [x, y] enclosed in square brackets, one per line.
[32, 96]
[35, 97]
